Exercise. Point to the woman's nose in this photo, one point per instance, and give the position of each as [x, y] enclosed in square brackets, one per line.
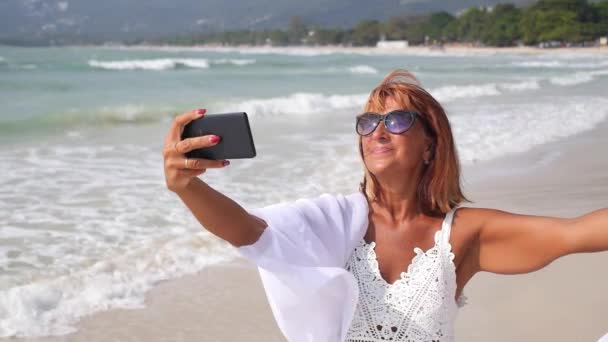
[380, 132]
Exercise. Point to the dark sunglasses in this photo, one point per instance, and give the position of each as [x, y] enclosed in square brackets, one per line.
[395, 122]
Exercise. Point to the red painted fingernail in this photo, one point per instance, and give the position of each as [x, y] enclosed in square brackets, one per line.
[200, 111]
[214, 139]
[226, 162]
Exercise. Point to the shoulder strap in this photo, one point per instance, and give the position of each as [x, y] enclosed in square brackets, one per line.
[447, 225]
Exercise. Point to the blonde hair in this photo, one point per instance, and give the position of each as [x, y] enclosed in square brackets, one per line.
[439, 189]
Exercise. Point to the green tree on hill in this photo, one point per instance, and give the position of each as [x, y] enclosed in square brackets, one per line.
[416, 28]
[329, 36]
[472, 24]
[601, 25]
[436, 24]
[571, 21]
[366, 33]
[297, 30]
[561, 20]
[278, 37]
[502, 26]
[396, 28]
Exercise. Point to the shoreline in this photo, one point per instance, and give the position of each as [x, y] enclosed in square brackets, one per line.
[414, 50]
[565, 301]
[222, 302]
[331, 49]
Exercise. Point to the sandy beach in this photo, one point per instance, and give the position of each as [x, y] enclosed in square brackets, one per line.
[566, 301]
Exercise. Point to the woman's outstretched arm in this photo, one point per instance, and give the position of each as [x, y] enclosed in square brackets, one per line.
[509, 243]
[219, 214]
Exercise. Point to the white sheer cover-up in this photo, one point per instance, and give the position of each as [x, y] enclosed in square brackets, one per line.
[302, 257]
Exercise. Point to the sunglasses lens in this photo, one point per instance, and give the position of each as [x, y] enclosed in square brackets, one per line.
[399, 122]
[366, 124]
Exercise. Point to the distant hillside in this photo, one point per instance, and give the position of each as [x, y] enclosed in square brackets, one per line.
[65, 20]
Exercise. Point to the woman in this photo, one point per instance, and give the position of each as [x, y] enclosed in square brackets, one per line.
[389, 262]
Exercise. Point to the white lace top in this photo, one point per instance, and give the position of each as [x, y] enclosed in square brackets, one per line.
[420, 306]
[302, 256]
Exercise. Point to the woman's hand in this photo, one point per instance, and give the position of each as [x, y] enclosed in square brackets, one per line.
[179, 170]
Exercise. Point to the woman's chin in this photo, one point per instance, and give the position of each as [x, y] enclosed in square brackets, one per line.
[379, 168]
[388, 168]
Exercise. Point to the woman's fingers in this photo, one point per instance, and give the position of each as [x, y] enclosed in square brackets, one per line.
[179, 171]
[190, 144]
[177, 127]
[191, 173]
[196, 163]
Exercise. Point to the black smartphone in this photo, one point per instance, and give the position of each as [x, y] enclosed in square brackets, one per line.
[233, 128]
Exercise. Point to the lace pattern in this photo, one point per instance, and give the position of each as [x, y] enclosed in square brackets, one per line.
[419, 306]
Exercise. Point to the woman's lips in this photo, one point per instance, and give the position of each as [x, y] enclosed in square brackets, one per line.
[380, 150]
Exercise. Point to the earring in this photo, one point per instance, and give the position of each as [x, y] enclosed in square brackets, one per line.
[426, 162]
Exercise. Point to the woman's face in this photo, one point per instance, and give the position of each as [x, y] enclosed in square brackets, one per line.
[386, 154]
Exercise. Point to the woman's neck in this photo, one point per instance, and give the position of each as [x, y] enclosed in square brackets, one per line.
[400, 201]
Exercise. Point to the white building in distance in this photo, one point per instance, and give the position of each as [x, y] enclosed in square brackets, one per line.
[392, 44]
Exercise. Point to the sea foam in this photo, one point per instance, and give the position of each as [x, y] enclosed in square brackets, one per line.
[363, 69]
[314, 103]
[561, 64]
[577, 77]
[52, 306]
[491, 131]
[300, 103]
[165, 63]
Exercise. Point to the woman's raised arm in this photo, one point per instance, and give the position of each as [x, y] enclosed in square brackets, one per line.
[510, 243]
[219, 214]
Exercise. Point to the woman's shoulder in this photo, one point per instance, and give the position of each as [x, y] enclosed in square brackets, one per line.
[468, 221]
[473, 217]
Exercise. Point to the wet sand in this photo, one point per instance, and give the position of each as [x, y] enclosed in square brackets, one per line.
[568, 299]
